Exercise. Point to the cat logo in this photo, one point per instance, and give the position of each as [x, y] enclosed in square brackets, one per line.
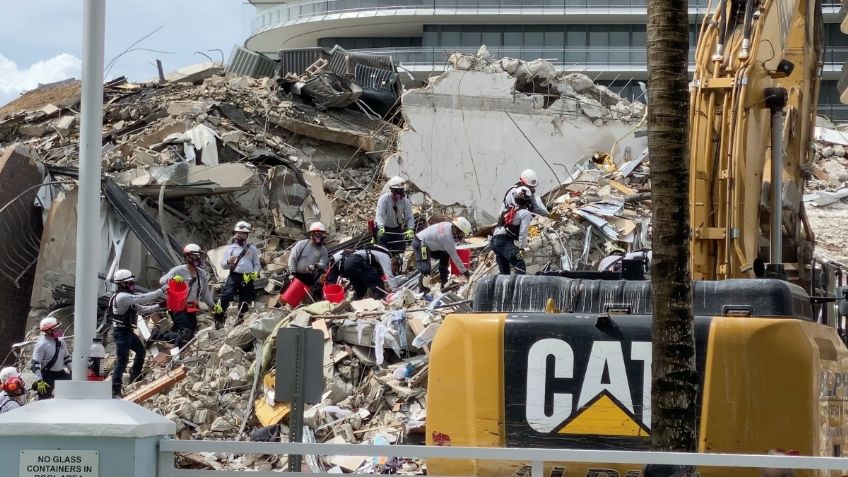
[592, 394]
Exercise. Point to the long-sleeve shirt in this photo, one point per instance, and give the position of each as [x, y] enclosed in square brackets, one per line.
[249, 262]
[43, 352]
[382, 259]
[142, 303]
[394, 214]
[439, 237]
[7, 403]
[521, 221]
[537, 208]
[198, 287]
[306, 253]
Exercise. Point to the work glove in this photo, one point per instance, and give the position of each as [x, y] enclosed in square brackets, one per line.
[380, 232]
[41, 386]
[408, 234]
[249, 277]
[554, 215]
[177, 279]
[312, 268]
[217, 308]
[521, 253]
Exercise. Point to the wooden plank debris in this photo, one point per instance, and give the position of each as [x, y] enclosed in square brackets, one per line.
[151, 389]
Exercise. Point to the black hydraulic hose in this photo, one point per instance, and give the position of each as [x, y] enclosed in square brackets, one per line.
[748, 22]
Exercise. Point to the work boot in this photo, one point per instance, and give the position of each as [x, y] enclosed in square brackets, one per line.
[134, 377]
[116, 391]
[219, 320]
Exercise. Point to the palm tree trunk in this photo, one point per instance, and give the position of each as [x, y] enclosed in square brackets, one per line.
[675, 382]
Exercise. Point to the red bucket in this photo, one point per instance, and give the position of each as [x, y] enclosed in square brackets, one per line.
[177, 294]
[295, 293]
[334, 293]
[465, 256]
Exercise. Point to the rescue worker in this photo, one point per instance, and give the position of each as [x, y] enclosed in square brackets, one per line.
[308, 257]
[242, 260]
[124, 308]
[185, 321]
[12, 389]
[612, 262]
[513, 225]
[49, 359]
[394, 218]
[438, 241]
[530, 180]
[365, 268]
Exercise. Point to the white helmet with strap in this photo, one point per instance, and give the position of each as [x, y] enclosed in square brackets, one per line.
[192, 248]
[122, 276]
[462, 224]
[8, 372]
[48, 324]
[396, 182]
[242, 226]
[529, 178]
[317, 227]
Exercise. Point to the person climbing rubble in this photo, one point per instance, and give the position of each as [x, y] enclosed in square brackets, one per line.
[366, 269]
[394, 218]
[124, 308]
[513, 225]
[438, 242]
[309, 256]
[242, 260]
[49, 359]
[12, 389]
[185, 320]
[530, 180]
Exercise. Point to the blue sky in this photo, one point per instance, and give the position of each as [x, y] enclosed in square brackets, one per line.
[41, 40]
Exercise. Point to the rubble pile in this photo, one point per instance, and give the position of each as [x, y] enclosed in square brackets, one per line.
[825, 190]
[221, 384]
[198, 156]
[568, 92]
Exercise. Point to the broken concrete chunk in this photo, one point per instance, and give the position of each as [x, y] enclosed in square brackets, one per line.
[592, 108]
[50, 110]
[222, 424]
[65, 122]
[232, 137]
[183, 108]
[580, 82]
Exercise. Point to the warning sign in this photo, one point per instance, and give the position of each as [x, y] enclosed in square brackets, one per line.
[58, 463]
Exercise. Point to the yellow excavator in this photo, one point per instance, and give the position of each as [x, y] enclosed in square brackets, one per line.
[773, 367]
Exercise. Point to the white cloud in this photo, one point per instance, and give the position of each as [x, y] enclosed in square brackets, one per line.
[15, 80]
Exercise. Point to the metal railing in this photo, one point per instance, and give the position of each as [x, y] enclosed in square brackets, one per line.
[288, 13]
[535, 458]
[295, 11]
[438, 55]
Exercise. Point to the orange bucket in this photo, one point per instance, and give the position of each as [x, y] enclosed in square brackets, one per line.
[465, 256]
[295, 293]
[177, 294]
[334, 293]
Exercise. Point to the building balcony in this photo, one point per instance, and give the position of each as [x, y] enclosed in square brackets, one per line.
[590, 11]
[600, 63]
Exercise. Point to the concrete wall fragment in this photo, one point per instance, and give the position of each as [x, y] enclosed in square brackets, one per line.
[20, 230]
[469, 135]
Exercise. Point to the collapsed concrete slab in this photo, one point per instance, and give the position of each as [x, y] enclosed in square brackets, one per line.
[469, 134]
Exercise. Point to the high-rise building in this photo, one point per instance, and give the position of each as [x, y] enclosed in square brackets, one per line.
[604, 39]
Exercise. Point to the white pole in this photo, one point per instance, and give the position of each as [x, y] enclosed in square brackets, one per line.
[88, 202]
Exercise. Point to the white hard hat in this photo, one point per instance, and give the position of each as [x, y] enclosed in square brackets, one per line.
[463, 225]
[242, 226]
[7, 373]
[121, 276]
[396, 182]
[192, 248]
[317, 227]
[529, 178]
[97, 350]
[48, 324]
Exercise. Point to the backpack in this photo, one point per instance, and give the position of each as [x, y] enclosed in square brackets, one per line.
[505, 220]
